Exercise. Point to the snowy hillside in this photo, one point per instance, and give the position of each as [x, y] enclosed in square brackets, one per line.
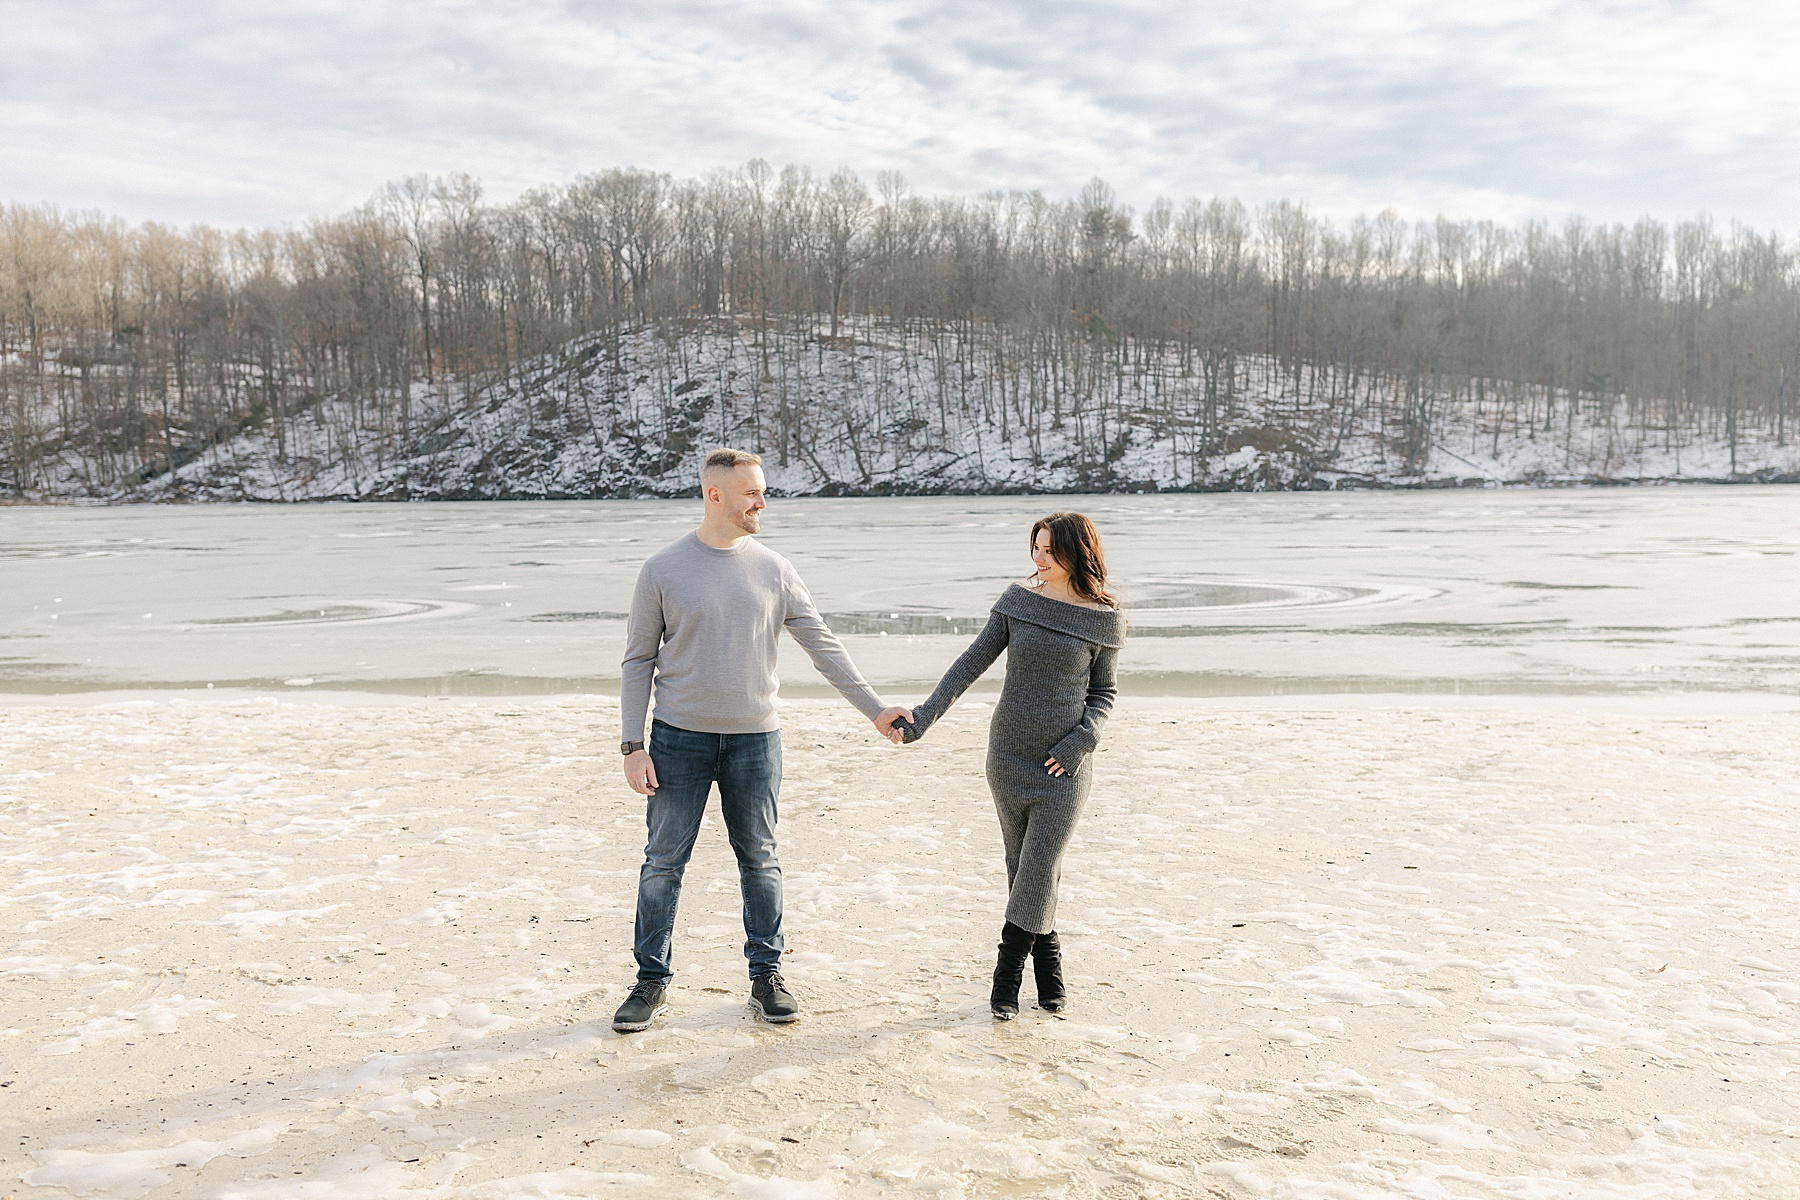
[902, 409]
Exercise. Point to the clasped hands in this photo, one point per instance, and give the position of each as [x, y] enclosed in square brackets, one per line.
[640, 771]
[887, 723]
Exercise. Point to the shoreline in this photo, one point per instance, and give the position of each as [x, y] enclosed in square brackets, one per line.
[1763, 478]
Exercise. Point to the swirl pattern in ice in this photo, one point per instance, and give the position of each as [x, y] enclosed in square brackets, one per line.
[361, 612]
[1184, 595]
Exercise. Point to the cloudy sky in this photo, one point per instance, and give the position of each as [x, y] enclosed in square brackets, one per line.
[243, 112]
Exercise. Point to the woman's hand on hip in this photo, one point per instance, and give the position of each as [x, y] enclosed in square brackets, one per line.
[1054, 767]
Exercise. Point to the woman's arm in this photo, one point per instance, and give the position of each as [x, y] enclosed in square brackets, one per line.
[968, 667]
[1072, 751]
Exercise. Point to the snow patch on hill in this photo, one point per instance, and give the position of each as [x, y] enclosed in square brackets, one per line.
[901, 409]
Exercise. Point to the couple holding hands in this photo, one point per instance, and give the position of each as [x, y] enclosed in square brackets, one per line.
[706, 617]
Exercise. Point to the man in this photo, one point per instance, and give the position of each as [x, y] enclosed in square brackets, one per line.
[705, 621]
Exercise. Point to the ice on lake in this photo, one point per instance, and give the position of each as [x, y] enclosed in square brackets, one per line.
[1603, 591]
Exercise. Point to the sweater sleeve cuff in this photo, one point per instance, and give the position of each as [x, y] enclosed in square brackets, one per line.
[1072, 751]
[923, 716]
[632, 722]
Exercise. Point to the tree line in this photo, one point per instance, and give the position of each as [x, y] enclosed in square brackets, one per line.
[127, 351]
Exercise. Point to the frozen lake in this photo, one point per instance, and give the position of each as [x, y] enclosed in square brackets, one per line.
[1666, 590]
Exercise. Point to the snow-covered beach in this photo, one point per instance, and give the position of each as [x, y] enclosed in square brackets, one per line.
[263, 948]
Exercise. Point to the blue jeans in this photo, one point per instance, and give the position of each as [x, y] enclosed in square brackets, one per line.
[747, 768]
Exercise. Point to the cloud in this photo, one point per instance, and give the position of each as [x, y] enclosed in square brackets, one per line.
[256, 114]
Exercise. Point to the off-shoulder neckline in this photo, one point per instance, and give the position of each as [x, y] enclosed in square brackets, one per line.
[1031, 591]
[1101, 626]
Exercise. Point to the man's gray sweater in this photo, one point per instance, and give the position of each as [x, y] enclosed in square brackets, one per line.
[703, 632]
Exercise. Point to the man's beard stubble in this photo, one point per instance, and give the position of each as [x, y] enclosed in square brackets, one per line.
[750, 522]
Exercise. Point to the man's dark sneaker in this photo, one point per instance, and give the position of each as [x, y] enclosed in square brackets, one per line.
[646, 1003]
[770, 1000]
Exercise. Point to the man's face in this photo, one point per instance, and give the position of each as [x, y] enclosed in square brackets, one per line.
[741, 497]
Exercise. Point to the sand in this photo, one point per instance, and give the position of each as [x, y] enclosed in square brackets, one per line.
[265, 949]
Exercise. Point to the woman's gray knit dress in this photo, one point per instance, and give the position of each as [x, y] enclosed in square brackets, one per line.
[1060, 667]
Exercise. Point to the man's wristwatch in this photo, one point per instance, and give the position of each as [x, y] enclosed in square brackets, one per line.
[629, 748]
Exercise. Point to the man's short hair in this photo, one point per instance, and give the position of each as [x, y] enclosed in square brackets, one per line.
[727, 459]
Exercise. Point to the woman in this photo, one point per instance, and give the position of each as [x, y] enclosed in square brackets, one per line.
[1061, 630]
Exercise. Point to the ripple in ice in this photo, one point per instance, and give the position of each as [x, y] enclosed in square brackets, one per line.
[1179, 595]
[363, 612]
[90, 550]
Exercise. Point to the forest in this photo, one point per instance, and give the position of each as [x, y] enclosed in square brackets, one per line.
[593, 338]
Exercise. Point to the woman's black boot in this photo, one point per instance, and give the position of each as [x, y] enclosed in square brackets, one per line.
[1009, 971]
[1046, 964]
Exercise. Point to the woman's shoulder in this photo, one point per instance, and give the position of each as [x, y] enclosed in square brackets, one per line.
[1016, 586]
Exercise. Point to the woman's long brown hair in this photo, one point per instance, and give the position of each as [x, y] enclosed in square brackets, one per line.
[1075, 543]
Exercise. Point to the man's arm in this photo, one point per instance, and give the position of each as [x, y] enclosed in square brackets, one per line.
[643, 640]
[832, 660]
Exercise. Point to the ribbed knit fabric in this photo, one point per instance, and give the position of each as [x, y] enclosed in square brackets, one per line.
[1061, 661]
